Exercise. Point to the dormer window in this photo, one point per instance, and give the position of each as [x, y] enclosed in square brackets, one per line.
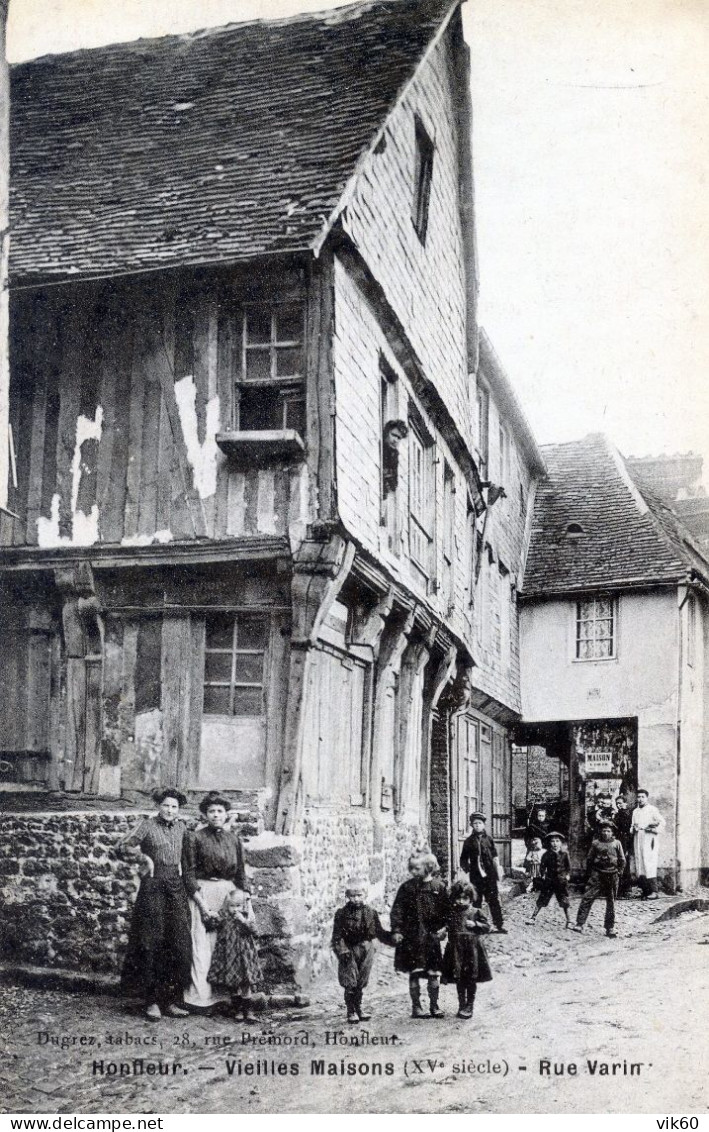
[423, 175]
[574, 532]
[270, 388]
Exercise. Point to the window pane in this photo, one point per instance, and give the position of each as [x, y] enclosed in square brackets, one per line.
[604, 649]
[604, 629]
[260, 409]
[585, 630]
[220, 630]
[294, 413]
[249, 668]
[584, 650]
[216, 701]
[289, 361]
[217, 666]
[289, 324]
[585, 610]
[248, 701]
[258, 365]
[258, 325]
[251, 632]
[603, 608]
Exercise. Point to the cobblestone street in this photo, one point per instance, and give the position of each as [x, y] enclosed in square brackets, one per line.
[556, 995]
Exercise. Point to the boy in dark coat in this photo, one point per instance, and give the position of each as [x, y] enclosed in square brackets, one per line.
[604, 865]
[418, 922]
[465, 961]
[554, 876]
[354, 932]
[479, 860]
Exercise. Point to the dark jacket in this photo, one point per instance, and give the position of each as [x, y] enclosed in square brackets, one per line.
[605, 857]
[555, 866]
[353, 926]
[465, 958]
[479, 849]
[420, 909]
[623, 819]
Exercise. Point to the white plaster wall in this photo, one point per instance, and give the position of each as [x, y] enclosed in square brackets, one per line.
[641, 682]
[689, 838]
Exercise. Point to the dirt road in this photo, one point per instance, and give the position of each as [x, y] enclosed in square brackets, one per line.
[578, 1003]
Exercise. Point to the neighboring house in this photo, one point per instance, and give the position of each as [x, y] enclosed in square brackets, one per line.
[613, 637]
[677, 480]
[243, 324]
[476, 772]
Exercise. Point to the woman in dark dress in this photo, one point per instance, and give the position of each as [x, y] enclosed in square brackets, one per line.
[214, 869]
[465, 961]
[159, 955]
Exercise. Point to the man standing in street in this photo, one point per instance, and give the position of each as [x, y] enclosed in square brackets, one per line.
[645, 827]
[479, 860]
[622, 821]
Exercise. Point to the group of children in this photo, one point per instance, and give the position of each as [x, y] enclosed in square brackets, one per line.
[424, 913]
[549, 874]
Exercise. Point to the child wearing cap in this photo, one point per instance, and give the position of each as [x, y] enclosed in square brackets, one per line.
[604, 865]
[418, 924]
[555, 877]
[354, 933]
[479, 860]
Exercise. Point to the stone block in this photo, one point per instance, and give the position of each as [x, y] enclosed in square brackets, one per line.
[270, 882]
[270, 851]
[281, 916]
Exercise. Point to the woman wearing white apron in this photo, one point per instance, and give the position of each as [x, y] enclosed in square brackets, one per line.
[214, 866]
[645, 827]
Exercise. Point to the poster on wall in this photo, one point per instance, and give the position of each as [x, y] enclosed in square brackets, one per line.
[314, 486]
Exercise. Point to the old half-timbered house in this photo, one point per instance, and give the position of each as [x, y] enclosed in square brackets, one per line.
[242, 491]
[472, 757]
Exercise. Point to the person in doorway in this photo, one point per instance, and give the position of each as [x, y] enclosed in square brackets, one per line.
[604, 866]
[480, 861]
[465, 961]
[645, 826]
[214, 867]
[159, 954]
[355, 930]
[555, 877]
[418, 924]
[538, 825]
[622, 822]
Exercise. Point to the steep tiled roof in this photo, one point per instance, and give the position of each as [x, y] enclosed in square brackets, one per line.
[214, 146]
[629, 538]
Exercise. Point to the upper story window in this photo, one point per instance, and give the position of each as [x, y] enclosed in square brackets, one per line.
[423, 175]
[596, 628]
[234, 655]
[483, 406]
[421, 501]
[392, 435]
[270, 387]
[574, 532]
[448, 533]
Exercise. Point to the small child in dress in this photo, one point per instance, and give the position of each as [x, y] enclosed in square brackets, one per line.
[532, 864]
[355, 931]
[555, 874]
[418, 923]
[235, 965]
[465, 961]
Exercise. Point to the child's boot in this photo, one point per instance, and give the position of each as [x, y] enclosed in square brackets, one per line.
[433, 989]
[469, 1001]
[249, 1015]
[351, 1004]
[462, 1000]
[362, 1014]
[417, 1010]
[237, 1007]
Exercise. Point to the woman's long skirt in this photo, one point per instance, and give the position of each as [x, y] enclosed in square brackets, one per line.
[158, 959]
[200, 992]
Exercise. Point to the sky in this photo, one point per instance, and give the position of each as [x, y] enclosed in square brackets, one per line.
[591, 165]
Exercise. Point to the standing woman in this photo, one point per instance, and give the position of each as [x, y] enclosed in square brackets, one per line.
[159, 954]
[645, 827]
[214, 868]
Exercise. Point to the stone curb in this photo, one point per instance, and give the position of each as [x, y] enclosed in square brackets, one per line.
[691, 904]
[46, 978]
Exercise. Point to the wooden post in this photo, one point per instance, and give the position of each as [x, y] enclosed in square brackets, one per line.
[4, 257]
